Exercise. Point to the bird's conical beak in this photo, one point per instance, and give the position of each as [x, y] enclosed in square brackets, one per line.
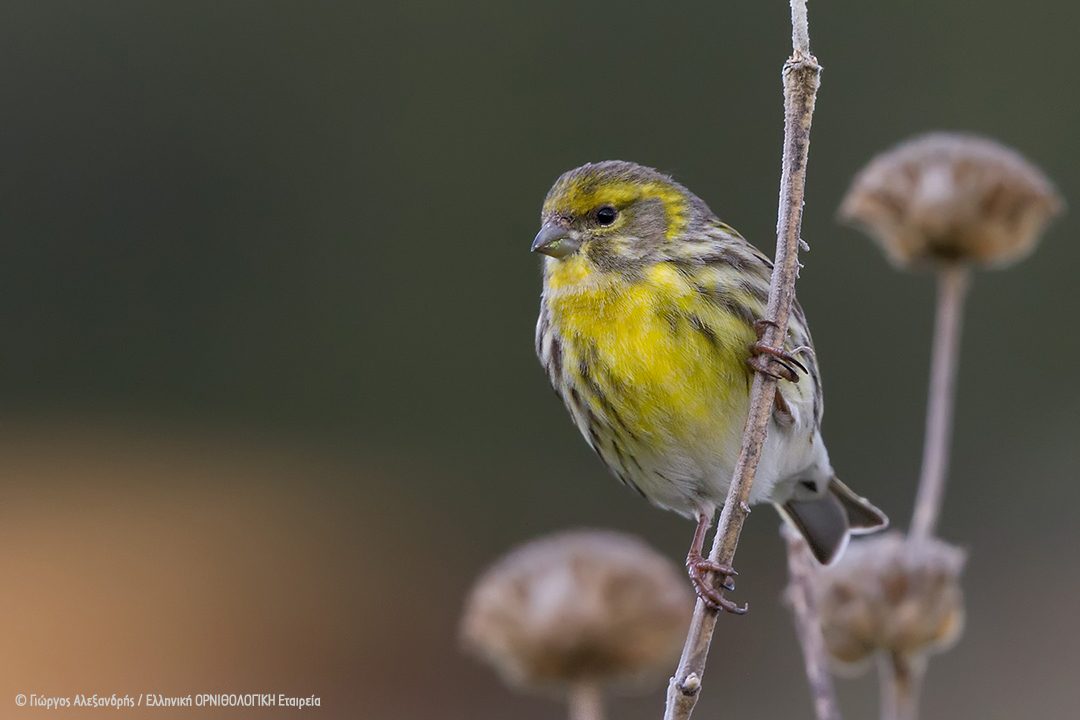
[555, 240]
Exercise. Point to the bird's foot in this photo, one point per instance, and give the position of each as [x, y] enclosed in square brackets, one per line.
[698, 568]
[780, 365]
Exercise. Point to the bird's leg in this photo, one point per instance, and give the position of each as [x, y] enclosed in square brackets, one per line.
[782, 358]
[698, 567]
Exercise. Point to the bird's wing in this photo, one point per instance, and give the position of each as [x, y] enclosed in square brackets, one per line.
[733, 276]
[805, 394]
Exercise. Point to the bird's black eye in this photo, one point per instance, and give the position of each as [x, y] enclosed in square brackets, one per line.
[606, 215]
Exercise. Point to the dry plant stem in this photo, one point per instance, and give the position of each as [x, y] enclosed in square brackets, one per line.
[952, 289]
[901, 684]
[801, 78]
[808, 626]
[901, 677]
[586, 702]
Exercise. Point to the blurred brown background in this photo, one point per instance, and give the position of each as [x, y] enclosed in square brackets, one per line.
[268, 400]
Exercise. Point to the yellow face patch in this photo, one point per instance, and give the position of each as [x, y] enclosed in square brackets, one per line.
[581, 195]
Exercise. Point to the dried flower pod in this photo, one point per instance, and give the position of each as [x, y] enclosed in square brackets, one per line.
[889, 593]
[946, 197]
[579, 607]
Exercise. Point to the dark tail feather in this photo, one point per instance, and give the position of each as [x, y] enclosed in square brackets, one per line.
[826, 522]
[862, 516]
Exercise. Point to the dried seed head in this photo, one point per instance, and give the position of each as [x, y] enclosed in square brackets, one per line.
[585, 606]
[890, 593]
[946, 197]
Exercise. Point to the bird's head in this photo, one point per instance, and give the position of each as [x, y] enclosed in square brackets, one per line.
[616, 214]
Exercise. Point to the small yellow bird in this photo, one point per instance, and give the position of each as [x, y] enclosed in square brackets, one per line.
[649, 330]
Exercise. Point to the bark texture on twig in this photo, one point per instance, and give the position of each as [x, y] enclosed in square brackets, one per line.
[801, 77]
[800, 598]
[952, 289]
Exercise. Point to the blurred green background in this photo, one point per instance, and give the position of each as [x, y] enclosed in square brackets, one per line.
[268, 399]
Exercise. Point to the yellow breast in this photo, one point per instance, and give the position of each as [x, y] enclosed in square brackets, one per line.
[670, 363]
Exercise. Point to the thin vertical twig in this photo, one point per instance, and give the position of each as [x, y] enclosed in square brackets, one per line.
[801, 78]
[952, 289]
[901, 684]
[586, 701]
[901, 676]
[803, 605]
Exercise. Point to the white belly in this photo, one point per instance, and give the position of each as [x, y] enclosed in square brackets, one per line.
[693, 481]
